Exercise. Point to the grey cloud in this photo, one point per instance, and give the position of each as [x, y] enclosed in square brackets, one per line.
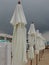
[35, 10]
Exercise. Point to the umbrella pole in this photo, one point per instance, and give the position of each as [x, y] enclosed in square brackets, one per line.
[30, 62]
[36, 59]
[41, 53]
[39, 56]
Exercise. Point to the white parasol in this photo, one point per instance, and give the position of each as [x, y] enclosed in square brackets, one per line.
[37, 45]
[39, 42]
[31, 39]
[19, 36]
[42, 42]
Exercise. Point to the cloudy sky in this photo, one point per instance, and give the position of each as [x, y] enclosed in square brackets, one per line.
[35, 10]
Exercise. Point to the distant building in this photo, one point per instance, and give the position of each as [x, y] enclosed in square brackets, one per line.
[6, 37]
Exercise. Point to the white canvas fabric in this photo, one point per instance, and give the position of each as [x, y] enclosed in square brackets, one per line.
[39, 42]
[37, 45]
[42, 43]
[19, 45]
[31, 40]
[32, 29]
[31, 35]
[31, 53]
[31, 49]
[18, 16]
[19, 36]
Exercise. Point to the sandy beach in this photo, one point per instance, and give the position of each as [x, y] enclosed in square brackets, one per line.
[44, 60]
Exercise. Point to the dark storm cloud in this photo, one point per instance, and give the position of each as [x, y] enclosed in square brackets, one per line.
[6, 10]
[39, 13]
[35, 10]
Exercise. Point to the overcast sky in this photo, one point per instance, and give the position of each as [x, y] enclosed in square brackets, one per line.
[35, 10]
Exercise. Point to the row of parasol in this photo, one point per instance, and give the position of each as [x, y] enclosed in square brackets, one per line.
[35, 39]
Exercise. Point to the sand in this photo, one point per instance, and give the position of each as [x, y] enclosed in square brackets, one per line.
[45, 58]
[43, 61]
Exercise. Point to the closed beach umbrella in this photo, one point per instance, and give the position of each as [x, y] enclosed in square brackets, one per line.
[39, 42]
[44, 41]
[31, 39]
[42, 44]
[37, 45]
[19, 36]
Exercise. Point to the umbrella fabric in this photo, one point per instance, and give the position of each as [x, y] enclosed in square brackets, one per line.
[31, 53]
[14, 39]
[32, 29]
[39, 42]
[18, 16]
[31, 39]
[42, 45]
[19, 36]
[19, 45]
[43, 40]
[31, 35]
[37, 45]
[31, 44]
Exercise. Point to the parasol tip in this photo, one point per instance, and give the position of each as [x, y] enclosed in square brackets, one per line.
[19, 2]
